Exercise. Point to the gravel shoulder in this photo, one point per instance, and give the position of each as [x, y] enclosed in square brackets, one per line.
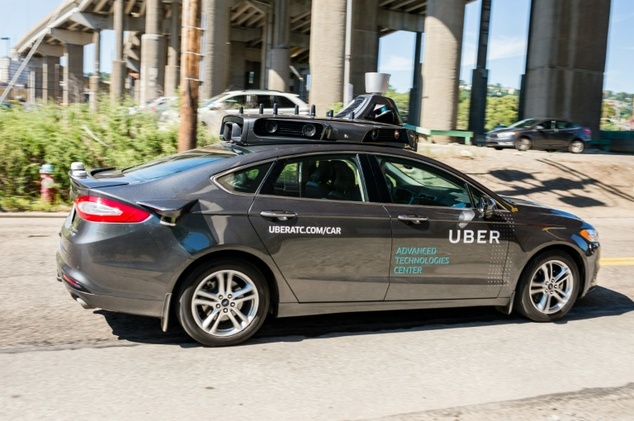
[591, 185]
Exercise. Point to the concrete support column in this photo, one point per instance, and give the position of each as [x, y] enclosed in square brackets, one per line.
[95, 79]
[217, 48]
[480, 76]
[117, 77]
[35, 80]
[50, 79]
[566, 60]
[172, 70]
[73, 74]
[238, 65]
[328, 24]
[151, 53]
[416, 93]
[365, 43]
[441, 65]
[279, 72]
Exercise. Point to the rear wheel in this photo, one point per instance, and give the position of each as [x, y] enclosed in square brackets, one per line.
[576, 146]
[523, 144]
[548, 287]
[223, 303]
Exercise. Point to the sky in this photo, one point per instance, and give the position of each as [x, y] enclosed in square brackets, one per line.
[506, 54]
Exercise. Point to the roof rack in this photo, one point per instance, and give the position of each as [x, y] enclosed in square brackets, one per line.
[368, 119]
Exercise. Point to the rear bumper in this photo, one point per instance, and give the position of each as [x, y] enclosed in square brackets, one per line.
[80, 290]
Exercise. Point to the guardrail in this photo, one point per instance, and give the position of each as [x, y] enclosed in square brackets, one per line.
[602, 144]
[466, 135]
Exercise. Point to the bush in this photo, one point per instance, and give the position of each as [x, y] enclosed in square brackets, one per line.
[51, 134]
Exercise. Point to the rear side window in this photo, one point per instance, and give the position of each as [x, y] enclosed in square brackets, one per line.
[264, 100]
[328, 177]
[283, 102]
[244, 181]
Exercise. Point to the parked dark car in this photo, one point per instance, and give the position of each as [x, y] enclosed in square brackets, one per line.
[298, 215]
[547, 134]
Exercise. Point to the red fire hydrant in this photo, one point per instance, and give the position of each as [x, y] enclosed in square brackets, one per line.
[47, 183]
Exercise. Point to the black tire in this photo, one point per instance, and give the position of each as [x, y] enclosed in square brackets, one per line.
[223, 303]
[498, 148]
[576, 146]
[523, 144]
[548, 288]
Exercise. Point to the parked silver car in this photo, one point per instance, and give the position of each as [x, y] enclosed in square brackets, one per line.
[211, 112]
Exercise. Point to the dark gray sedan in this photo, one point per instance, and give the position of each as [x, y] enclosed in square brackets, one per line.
[298, 216]
[546, 134]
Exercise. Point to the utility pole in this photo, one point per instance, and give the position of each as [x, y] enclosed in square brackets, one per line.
[190, 74]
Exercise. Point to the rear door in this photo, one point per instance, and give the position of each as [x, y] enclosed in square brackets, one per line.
[442, 247]
[562, 134]
[327, 239]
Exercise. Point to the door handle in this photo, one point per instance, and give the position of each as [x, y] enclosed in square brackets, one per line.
[413, 219]
[279, 215]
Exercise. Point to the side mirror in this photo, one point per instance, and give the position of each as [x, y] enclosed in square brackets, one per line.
[486, 207]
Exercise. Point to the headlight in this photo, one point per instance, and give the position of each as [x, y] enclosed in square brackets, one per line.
[590, 234]
[505, 135]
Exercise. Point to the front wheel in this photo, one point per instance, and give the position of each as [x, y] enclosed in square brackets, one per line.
[549, 287]
[523, 144]
[576, 146]
[223, 303]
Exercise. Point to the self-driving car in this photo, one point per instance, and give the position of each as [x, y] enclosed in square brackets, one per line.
[299, 215]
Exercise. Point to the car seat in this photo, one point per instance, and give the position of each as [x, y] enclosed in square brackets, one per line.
[318, 184]
[344, 184]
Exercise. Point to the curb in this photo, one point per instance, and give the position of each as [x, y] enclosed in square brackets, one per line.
[33, 214]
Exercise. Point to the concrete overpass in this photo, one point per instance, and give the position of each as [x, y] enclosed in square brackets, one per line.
[276, 44]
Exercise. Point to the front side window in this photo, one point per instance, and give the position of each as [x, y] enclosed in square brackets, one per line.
[326, 177]
[416, 183]
[235, 102]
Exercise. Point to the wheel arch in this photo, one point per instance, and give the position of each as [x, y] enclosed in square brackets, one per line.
[574, 254]
[238, 255]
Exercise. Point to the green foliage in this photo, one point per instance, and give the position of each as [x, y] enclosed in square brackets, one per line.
[50, 134]
[462, 122]
[501, 110]
[401, 100]
[607, 110]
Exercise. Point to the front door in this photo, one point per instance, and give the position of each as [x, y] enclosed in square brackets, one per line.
[442, 247]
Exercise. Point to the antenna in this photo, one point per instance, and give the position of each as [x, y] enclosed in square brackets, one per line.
[312, 110]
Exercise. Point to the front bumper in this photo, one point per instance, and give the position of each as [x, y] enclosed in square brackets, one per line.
[499, 143]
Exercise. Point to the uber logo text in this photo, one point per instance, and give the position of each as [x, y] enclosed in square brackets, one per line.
[477, 236]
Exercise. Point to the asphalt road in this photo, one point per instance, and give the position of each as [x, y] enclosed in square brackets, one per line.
[62, 362]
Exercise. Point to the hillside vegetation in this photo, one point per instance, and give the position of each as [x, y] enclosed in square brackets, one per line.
[51, 134]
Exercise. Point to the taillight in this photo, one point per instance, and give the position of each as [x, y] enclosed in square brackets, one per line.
[100, 209]
[587, 131]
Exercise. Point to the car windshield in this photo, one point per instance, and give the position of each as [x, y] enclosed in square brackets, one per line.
[522, 124]
[174, 164]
